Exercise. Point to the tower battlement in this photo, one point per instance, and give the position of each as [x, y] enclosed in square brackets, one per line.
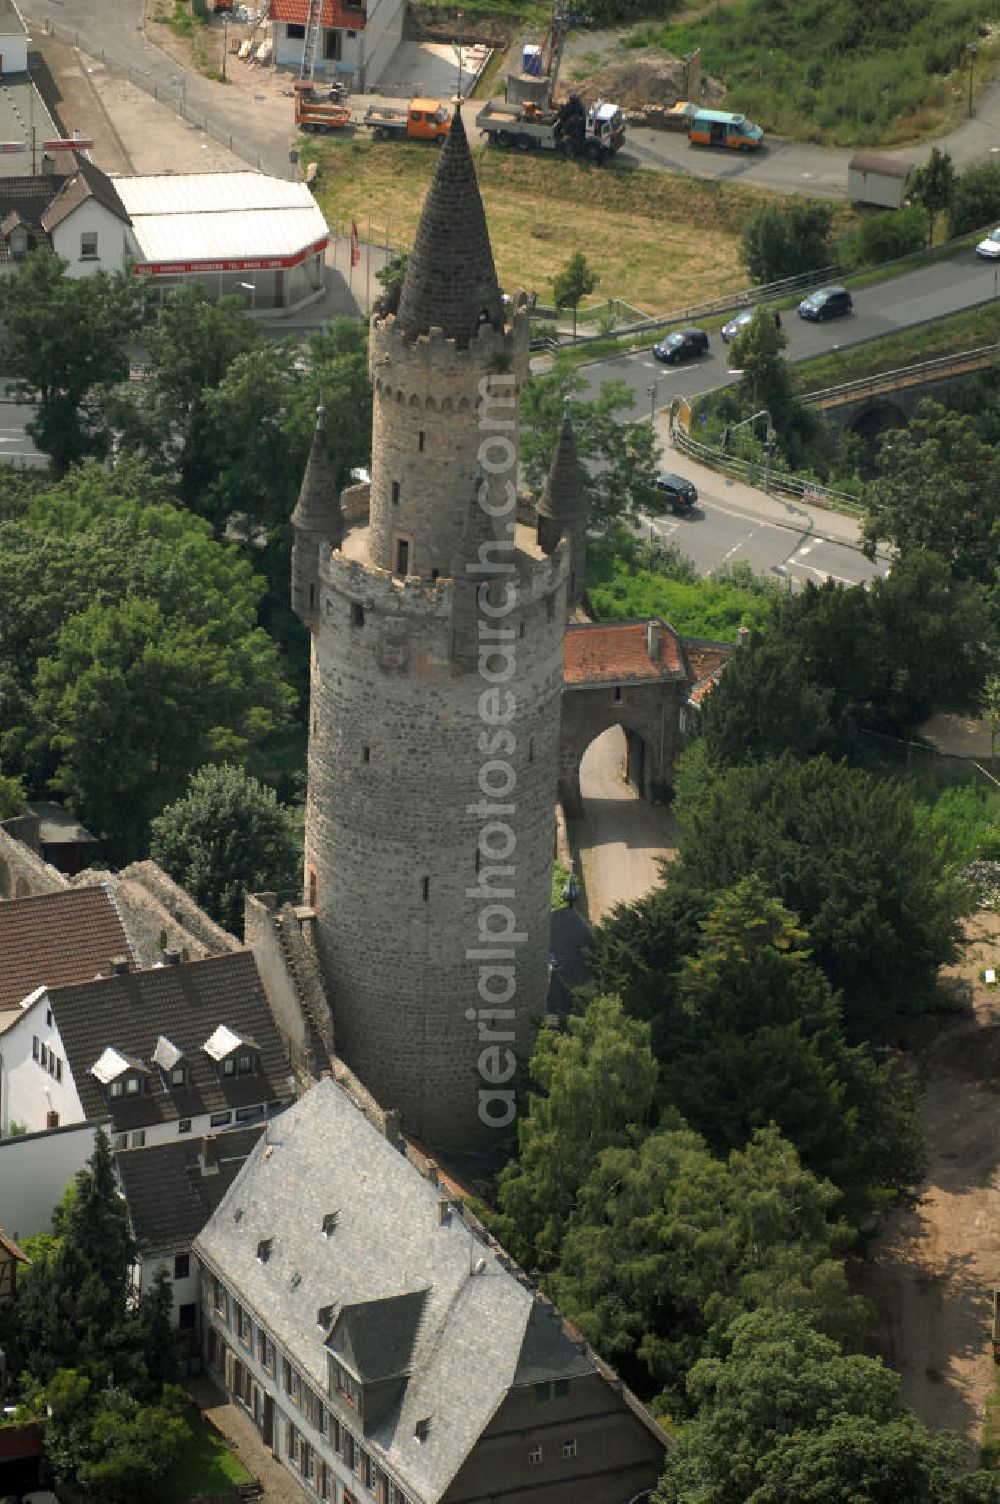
[391, 352]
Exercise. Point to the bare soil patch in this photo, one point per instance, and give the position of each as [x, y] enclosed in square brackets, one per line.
[931, 1270]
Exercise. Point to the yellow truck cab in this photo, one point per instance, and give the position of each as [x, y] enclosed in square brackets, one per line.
[717, 128]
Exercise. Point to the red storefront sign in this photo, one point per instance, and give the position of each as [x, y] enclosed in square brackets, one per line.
[241, 264]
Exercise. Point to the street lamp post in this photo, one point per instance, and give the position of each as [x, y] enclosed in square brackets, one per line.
[972, 49]
[651, 394]
[225, 44]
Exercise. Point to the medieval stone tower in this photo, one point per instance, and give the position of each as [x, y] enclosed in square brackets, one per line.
[437, 641]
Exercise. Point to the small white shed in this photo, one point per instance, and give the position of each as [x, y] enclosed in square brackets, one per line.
[874, 179]
[13, 39]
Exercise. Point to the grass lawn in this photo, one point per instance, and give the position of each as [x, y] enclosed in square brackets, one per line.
[206, 1466]
[967, 330]
[656, 240]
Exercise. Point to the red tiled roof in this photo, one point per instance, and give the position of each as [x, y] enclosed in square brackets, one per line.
[616, 652]
[55, 938]
[705, 659]
[335, 13]
[12, 1248]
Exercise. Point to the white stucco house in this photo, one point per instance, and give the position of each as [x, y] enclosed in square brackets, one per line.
[184, 1048]
[355, 41]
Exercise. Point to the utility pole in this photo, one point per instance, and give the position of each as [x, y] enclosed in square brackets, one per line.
[972, 49]
[225, 44]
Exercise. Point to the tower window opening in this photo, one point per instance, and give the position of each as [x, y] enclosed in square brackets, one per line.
[402, 556]
[366, 754]
[619, 694]
[435, 574]
[420, 441]
[313, 889]
[551, 607]
[357, 614]
[395, 493]
[531, 750]
[426, 888]
[479, 856]
[521, 632]
[312, 595]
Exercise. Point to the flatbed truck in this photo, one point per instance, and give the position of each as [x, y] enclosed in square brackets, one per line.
[422, 120]
[574, 129]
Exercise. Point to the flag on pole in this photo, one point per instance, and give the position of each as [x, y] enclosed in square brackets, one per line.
[355, 244]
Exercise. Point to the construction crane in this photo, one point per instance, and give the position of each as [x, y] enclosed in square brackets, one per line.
[554, 41]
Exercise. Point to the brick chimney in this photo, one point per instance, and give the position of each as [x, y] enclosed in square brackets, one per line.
[208, 1154]
[653, 641]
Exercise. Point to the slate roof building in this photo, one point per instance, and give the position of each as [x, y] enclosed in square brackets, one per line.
[182, 1048]
[171, 1190]
[384, 1344]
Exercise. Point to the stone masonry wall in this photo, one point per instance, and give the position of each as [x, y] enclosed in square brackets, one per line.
[652, 711]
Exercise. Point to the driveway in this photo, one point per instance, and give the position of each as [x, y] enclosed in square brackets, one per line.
[621, 839]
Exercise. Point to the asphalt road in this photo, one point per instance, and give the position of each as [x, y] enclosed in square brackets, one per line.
[880, 309]
[15, 445]
[621, 838]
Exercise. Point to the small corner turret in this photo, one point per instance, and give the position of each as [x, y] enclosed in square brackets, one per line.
[317, 522]
[563, 511]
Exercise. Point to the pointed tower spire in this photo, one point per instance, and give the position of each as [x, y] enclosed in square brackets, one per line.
[318, 507]
[451, 280]
[562, 507]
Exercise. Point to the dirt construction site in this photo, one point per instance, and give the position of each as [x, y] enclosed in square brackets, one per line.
[930, 1272]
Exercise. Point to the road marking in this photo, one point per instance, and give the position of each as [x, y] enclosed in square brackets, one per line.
[821, 574]
[805, 549]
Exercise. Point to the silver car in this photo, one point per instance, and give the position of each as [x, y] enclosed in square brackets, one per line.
[989, 248]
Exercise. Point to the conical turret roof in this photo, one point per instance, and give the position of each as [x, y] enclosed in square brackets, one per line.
[451, 280]
[564, 495]
[318, 507]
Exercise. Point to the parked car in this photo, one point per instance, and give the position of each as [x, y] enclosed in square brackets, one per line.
[989, 248]
[683, 344]
[679, 493]
[826, 303]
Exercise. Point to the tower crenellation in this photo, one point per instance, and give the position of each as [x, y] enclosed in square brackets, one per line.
[431, 594]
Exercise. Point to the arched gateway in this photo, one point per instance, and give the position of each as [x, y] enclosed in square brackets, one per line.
[642, 676]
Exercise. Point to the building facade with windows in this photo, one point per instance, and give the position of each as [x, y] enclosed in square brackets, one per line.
[184, 1048]
[386, 1348]
[356, 38]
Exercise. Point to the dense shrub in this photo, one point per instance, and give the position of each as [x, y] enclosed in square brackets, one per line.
[883, 237]
[976, 199]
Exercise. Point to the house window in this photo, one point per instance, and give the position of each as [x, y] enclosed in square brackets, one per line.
[569, 1447]
[58, 1070]
[543, 1391]
[218, 1296]
[331, 46]
[250, 1114]
[357, 614]
[619, 694]
[48, 1017]
[132, 1086]
[34, 1046]
[561, 1386]
[88, 245]
[246, 1065]
[187, 1316]
[184, 1125]
[120, 1141]
[139, 1138]
[395, 493]
[534, 1455]
[348, 1389]
[220, 1119]
[116, 1088]
[229, 1066]
[45, 1055]
[178, 1075]
[182, 1265]
[52, 1064]
[295, 32]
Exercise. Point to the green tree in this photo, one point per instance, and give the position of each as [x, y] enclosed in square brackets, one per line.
[226, 837]
[933, 186]
[621, 483]
[106, 1441]
[975, 200]
[392, 276]
[12, 795]
[759, 1040]
[884, 237]
[593, 1087]
[574, 282]
[667, 1245]
[785, 241]
[937, 488]
[765, 381]
[63, 339]
[155, 1336]
[784, 1415]
[841, 850]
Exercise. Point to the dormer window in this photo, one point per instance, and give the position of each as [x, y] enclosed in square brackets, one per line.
[229, 1066]
[170, 1061]
[246, 1064]
[232, 1054]
[264, 1248]
[329, 1223]
[18, 242]
[116, 1088]
[422, 1429]
[178, 1075]
[132, 1085]
[324, 1317]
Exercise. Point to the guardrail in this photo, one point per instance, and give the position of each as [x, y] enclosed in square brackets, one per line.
[810, 491]
[904, 376]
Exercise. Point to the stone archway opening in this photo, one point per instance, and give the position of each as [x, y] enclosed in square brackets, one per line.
[620, 836]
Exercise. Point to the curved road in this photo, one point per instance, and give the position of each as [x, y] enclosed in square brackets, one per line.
[115, 27]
